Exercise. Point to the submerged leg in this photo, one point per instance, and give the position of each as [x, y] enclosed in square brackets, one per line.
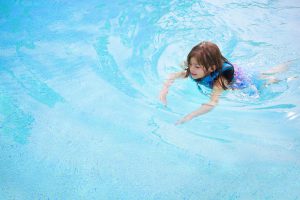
[275, 70]
[269, 75]
[272, 80]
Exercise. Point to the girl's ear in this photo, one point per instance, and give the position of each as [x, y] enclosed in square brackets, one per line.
[213, 68]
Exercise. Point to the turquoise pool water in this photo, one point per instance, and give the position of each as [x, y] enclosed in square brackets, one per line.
[79, 110]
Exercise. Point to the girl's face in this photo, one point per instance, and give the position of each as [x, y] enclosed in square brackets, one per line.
[197, 70]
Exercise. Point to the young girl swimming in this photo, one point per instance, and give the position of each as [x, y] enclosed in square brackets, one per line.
[208, 68]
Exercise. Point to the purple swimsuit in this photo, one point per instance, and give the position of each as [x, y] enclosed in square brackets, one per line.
[240, 80]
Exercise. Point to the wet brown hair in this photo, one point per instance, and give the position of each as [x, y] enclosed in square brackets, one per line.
[208, 54]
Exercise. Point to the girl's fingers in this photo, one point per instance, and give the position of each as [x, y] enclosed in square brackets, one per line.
[163, 99]
[179, 122]
[164, 102]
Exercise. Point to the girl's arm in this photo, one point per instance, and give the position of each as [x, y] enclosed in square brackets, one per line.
[168, 83]
[206, 107]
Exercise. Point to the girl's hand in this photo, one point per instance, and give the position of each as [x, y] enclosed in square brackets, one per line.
[163, 95]
[168, 83]
[183, 120]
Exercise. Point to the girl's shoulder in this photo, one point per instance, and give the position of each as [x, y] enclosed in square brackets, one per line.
[175, 75]
[181, 74]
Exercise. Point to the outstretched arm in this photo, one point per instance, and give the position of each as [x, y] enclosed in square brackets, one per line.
[204, 108]
[171, 78]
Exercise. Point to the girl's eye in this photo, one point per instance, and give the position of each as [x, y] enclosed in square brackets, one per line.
[196, 66]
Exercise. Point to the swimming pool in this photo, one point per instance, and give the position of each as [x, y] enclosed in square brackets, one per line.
[79, 110]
